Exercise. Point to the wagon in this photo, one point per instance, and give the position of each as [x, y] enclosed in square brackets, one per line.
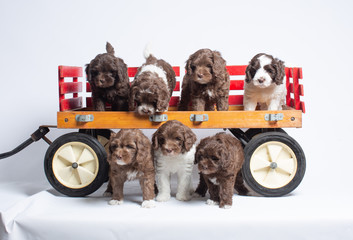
[75, 163]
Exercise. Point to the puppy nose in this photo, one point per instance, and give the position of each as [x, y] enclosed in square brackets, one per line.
[261, 80]
[200, 75]
[168, 150]
[145, 110]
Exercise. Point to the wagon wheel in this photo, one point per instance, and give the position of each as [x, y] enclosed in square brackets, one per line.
[75, 164]
[252, 132]
[274, 164]
[102, 135]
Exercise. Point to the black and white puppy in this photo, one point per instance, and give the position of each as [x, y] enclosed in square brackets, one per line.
[264, 83]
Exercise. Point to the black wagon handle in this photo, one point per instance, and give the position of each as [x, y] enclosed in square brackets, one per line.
[37, 135]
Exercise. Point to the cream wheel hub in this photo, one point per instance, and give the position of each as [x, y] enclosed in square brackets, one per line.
[273, 165]
[75, 165]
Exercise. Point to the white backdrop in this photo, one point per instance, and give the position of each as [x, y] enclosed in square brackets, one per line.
[37, 36]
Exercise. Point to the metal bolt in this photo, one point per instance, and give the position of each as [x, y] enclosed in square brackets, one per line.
[66, 120]
[74, 165]
[273, 165]
[292, 119]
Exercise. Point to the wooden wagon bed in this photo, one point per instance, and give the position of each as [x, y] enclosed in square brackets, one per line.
[76, 106]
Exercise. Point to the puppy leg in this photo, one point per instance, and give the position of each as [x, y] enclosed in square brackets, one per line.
[183, 191]
[147, 186]
[98, 104]
[214, 193]
[163, 184]
[239, 184]
[201, 188]
[226, 191]
[222, 104]
[209, 106]
[274, 105]
[250, 105]
[118, 191]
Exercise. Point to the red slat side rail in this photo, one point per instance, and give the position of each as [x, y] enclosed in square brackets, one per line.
[69, 87]
[236, 85]
[67, 71]
[236, 70]
[174, 100]
[235, 100]
[70, 103]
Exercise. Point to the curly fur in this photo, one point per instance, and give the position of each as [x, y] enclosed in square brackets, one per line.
[264, 83]
[152, 87]
[174, 152]
[130, 157]
[109, 81]
[219, 160]
[206, 82]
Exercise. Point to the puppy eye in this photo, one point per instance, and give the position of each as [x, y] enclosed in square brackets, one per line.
[94, 72]
[214, 158]
[209, 66]
[161, 140]
[130, 146]
[112, 147]
[178, 138]
[193, 67]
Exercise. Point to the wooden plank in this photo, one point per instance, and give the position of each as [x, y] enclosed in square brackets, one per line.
[70, 104]
[68, 71]
[217, 119]
[70, 87]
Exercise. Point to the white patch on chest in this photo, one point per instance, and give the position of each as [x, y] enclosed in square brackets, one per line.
[210, 93]
[155, 69]
[214, 181]
[175, 163]
[131, 175]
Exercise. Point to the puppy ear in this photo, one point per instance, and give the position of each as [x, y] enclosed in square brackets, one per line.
[133, 91]
[225, 158]
[122, 72]
[143, 148]
[248, 76]
[155, 140]
[279, 66]
[189, 139]
[188, 66]
[163, 99]
[219, 65]
[109, 48]
[199, 148]
[88, 74]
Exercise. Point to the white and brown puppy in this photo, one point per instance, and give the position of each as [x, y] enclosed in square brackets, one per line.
[264, 83]
[174, 153]
[130, 157]
[152, 87]
[219, 160]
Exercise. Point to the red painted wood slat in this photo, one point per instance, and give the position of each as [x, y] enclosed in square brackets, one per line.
[70, 104]
[235, 100]
[68, 71]
[236, 70]
[70, 87]
[236, 85]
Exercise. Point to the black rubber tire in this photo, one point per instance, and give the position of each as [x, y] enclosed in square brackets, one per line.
[283, 138]
[102, 164]
[252, 132]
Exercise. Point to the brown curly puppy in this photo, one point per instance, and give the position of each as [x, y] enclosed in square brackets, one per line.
[109, 81]
[219, 159]
[206, 82]
[130, 157]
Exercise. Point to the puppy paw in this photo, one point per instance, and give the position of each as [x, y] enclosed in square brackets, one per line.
[163, 197]
[107, 194]
[196, 195]
[227, 206]
[183, 197]
[116, 202]
[211, 202]
[148, 204]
